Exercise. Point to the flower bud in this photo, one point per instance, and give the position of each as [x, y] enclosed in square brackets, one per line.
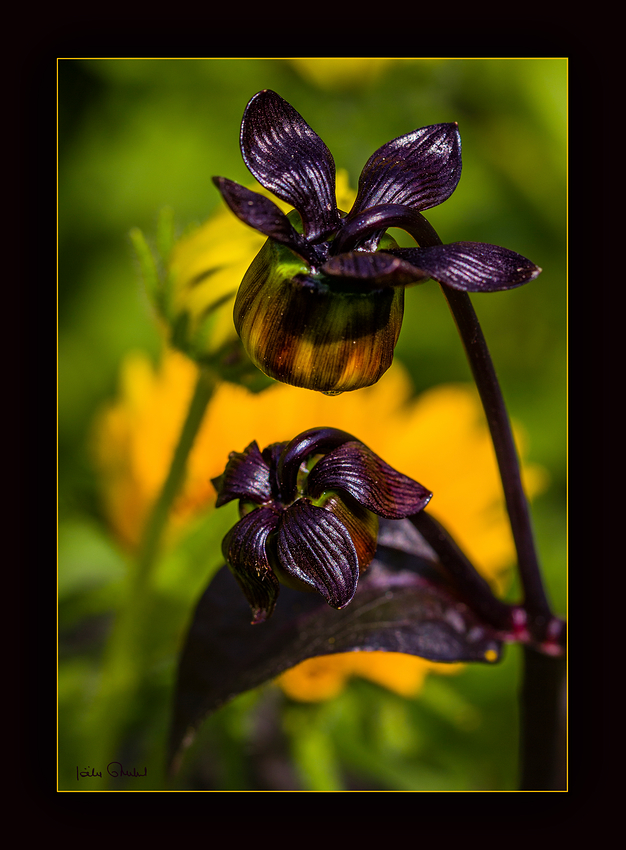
[321, 306]
[309, 515]
[311, 330]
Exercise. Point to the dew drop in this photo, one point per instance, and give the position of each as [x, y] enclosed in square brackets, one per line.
[332, 392]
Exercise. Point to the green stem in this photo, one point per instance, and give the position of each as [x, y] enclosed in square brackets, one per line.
[157, 520]
[124, 663]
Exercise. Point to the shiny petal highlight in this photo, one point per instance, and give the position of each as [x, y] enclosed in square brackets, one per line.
[355, 469]
[244, 548]
[419, 170]
[289, 158]
[315, 548]
[472, 266]
[247, 476]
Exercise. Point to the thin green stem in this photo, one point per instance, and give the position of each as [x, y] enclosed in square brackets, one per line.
[157, 520]
[124, 663]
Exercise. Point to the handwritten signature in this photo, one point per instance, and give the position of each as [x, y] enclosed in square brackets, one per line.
[114, 768]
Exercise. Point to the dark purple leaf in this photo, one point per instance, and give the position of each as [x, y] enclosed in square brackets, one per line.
[315, 548]
[244, 548]
[247, 476]
[472, 266]
[355, 468]
[374, 270]
[289, 158]
[419, 170]
[261, 213]
[403, 604]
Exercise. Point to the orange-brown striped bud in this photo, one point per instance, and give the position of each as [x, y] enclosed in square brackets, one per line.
[312, 330]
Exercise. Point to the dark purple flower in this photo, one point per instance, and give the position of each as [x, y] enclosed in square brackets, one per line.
[309, 515]
[321, 305]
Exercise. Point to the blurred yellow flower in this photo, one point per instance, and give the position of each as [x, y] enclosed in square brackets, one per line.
[439, 438]
[326, 676]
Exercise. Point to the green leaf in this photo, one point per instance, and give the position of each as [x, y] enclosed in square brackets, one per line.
[148, 267]
[165, 237]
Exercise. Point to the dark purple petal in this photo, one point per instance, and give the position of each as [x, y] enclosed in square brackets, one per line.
[247, 476]
[419, 170]
[245, 553]
[374, 270]
[361, 525]
[308, 443]
[273, 453]
[472, 266]
[263, 214]
[315, 548]
[289, 159]
[354, 468]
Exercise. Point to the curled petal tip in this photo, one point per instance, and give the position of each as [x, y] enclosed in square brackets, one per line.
[355, 469]
[246, 476]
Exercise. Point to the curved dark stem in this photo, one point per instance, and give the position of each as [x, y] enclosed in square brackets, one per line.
[542, 729]
[535, 600]
[367, 227]
[468, 581]
[542, 723]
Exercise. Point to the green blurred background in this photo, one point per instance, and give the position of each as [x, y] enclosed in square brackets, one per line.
[138, 134]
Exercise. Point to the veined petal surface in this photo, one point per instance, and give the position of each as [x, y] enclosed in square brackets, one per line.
[244, 548]
[374, 269]
[472, 266]
[316, 548]
[361, 525]
[420, 170]
[311, 442]
[289, 158]
[263, 215]
[247, 476]
[353, 467]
